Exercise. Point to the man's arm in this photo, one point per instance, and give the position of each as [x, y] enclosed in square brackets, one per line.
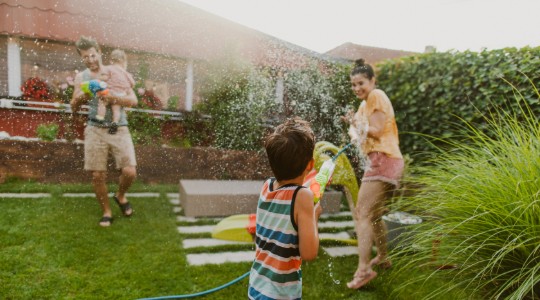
[79, 97]
[307, 216]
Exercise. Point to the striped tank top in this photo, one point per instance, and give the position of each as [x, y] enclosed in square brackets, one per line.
[276, 272]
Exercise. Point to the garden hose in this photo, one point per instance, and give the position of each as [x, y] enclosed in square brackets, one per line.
[200, 293]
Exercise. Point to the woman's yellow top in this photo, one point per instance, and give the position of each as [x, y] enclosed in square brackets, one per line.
[389, 141]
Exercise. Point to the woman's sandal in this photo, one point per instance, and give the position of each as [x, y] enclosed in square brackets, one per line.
[124, 207]
[105, 221]
[359, 281]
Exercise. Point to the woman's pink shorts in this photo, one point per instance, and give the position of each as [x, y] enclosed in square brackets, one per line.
[384, 168]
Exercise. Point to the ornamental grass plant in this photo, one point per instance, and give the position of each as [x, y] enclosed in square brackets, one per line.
[480, 202]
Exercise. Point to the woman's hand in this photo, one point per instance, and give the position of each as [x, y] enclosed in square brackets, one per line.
[348, 118]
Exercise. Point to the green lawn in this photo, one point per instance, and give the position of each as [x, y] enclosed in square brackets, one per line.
[53, 248]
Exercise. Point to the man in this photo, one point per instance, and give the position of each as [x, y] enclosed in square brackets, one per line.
[98, 142]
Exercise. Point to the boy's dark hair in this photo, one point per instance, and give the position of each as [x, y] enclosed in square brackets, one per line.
[290, 148]
[360, 67]
[85, 43]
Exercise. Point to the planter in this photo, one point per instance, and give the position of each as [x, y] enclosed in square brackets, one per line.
[399, 223]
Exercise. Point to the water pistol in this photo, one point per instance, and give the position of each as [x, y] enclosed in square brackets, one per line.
[320, 181]
[95, 87]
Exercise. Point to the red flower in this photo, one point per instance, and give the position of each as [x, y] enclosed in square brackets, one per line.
[35, 89]
[149, 100]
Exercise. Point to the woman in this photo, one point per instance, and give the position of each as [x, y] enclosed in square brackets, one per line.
[374, 130]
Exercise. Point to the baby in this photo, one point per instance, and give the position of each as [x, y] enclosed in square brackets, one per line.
[119, 82]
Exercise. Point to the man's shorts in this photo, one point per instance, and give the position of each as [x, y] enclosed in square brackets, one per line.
[98, 143]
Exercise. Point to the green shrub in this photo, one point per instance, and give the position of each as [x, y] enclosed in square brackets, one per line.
[321, 99]
[47, 132]
[172, 104]
[238, 98]
[145, 129]
[482, 202]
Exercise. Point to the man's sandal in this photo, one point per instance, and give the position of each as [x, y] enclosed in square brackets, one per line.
[105, 221]
[124, 207]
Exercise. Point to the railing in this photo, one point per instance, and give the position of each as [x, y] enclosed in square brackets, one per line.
[66, 108]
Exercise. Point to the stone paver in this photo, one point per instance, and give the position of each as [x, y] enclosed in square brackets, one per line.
[196, 229]
[25, 195]
[333, 224]
[192, 243]
[341, 251]
[220, 258]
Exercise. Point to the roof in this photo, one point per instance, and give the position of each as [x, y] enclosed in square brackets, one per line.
[168, 27]
[371, 55]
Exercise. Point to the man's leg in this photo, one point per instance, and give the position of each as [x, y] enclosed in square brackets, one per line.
[126, 179]
[102, 194]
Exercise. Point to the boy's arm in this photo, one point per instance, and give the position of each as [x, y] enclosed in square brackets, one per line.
[306, 217]
[79, 97]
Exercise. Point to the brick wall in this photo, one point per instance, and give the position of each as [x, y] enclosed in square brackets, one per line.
[57, 162]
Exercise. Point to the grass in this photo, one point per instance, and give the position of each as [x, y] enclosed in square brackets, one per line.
[52, 248]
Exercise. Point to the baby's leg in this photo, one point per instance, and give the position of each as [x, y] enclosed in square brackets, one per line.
[115, 118]
[115, 113]
[101, 109]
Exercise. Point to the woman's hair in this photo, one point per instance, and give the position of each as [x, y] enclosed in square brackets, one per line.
[360, 67]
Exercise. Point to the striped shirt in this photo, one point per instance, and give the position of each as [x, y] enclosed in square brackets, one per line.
[276, 272]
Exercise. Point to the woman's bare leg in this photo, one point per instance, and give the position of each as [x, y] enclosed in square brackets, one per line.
[369, 210]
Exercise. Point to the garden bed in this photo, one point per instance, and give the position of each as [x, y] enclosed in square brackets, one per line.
[62, 162]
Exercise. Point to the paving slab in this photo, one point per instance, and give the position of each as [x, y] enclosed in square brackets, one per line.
[25, 195]
[220, 198]
[341, 251]
[220, 258]
[192, 243]
[196, 229]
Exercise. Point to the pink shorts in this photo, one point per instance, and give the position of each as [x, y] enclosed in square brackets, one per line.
[384, 168]
[98, 143]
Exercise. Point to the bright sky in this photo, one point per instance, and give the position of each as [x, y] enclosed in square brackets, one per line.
[322, 25]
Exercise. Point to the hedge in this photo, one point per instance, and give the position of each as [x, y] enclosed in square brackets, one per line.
[431, 92]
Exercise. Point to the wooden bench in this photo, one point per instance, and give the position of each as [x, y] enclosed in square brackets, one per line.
[218, 198]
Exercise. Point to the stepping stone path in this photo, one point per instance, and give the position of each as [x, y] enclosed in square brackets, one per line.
[212, 257]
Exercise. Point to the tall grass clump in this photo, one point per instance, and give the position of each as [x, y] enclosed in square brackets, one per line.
[481, 205]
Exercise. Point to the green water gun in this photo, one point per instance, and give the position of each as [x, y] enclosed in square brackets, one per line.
[320, 181]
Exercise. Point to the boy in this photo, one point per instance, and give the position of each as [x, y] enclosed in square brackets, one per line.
[286, 215]
[119, 82]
